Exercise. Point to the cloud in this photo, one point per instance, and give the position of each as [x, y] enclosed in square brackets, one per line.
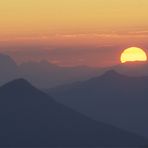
[51, 37]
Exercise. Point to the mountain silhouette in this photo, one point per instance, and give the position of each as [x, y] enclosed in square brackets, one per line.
[8, 69]
[42, 74]
[46, 75]
[133, 68]
[30, 118]
[112, 98]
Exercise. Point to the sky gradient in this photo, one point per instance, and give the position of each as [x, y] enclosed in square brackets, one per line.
[72, 32]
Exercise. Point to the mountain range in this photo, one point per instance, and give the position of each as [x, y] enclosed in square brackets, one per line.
[42, 74]
[31, 118]
[112, 98]
[45, 75]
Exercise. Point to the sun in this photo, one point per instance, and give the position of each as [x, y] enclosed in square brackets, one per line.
[133, 54]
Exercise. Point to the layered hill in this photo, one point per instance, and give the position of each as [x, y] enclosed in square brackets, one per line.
[30, 118]
[112, 98]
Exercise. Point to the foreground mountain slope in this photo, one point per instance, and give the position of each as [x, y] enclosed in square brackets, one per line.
[112, 98]
[31, 118]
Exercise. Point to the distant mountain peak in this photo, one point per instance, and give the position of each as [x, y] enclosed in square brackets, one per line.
[18, 84]
[20, 80]
[8, 67]
[112, 73]
[5, 57]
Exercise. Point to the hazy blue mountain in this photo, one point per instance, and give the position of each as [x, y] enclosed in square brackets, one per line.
[133, 68]
[44, 74]
[112, 98]
[8, 69]
[30, 118]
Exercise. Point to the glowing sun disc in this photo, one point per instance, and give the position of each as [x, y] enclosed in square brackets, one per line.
[133, 54]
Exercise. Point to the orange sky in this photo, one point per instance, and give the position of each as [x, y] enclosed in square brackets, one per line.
[82, 24]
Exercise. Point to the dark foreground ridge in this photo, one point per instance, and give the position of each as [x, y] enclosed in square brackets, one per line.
[29, 118]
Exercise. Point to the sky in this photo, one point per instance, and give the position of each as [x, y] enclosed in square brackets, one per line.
[72, 32]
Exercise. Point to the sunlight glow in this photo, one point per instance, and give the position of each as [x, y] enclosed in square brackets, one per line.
[133, 54]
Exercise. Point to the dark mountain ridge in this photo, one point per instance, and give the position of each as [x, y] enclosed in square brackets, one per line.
[31, 118]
